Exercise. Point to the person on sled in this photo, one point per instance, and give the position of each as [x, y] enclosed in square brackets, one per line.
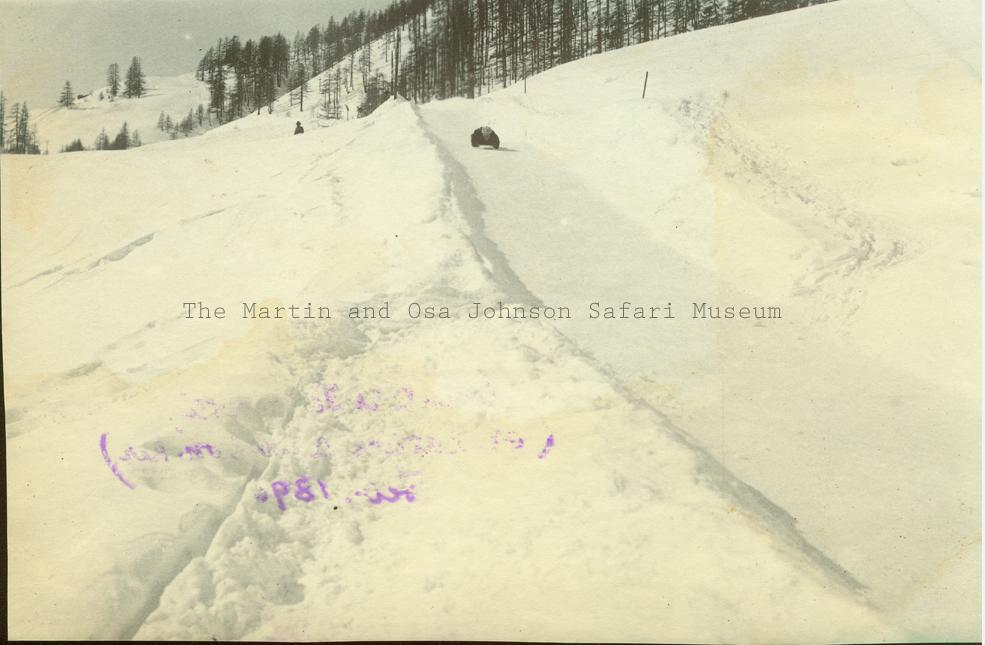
[485, 136]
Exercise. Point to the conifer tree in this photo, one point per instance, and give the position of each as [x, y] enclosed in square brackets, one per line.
[134, 85]
[22, 137]
[75, 146]
[102, 141]
[67, 98]
[122, 139]
[187, 124]
[11, 138]
[113, 80]
[23, 130]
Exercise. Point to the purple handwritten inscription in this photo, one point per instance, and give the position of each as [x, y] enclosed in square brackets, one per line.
[303, 492]
[109, 462]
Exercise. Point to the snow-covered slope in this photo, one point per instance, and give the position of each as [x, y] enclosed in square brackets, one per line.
[829, 169]
[352, 91]
[172, 95]
[804, 479]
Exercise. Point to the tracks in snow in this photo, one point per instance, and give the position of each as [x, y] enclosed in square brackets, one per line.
[483, 197]
[847, 245]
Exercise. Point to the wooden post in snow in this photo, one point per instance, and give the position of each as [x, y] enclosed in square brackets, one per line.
[645, 79]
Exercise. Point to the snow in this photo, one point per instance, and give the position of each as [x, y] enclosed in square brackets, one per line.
[174, 95]
[743, 204]
[804, 479]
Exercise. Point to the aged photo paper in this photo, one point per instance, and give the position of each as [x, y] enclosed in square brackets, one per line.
[526, 320]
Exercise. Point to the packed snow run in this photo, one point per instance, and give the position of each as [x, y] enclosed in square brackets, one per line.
[808, 477]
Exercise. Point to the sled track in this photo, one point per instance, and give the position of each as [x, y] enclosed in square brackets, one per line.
[776, 521]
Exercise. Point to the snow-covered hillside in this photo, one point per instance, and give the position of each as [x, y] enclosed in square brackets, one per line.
[352, 90]
[172, 95]
[810, 478]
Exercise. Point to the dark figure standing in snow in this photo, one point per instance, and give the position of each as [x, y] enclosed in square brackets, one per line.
[299, 129]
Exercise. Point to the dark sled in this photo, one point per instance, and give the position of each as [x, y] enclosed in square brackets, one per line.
[485, 136]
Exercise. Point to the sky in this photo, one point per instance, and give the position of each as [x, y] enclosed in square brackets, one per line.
[43, 43]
